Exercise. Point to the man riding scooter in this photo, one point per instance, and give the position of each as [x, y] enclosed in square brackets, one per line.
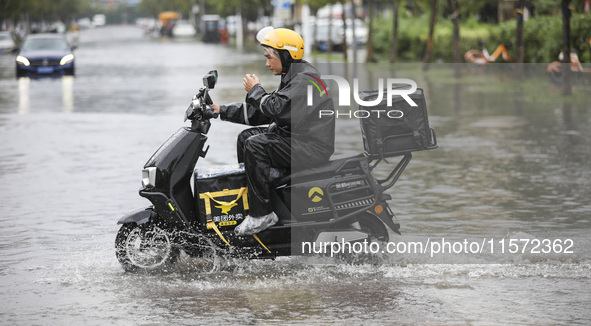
[296, 136]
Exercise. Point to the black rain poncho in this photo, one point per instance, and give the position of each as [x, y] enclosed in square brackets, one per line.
[297, 137]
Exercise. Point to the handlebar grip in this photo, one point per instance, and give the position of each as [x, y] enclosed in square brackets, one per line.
[209, 113]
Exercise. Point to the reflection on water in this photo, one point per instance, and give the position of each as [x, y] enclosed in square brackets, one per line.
[513, 162]
[67, 92]
[23, 95]
[511, 152]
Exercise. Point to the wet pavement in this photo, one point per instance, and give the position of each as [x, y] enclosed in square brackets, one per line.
[513, 163]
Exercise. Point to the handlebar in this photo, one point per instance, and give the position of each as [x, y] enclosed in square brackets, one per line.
[200, 110]
[200, 107]
[209, 113]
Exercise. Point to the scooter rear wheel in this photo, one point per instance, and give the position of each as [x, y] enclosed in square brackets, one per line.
[377, 232]
[373, 226]
[144, 247]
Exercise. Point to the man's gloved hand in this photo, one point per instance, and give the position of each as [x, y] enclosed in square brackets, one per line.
[216, 108]
[249, 81]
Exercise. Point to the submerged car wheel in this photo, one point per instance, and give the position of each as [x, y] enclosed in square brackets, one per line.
[144, 247]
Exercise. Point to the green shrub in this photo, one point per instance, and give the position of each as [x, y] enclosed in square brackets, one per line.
[413, 33]
[581, 36]
[542, 37]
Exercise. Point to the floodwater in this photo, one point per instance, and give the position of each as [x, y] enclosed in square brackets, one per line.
[513, 164]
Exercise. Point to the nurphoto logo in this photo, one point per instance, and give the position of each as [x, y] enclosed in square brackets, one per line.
[345, 96]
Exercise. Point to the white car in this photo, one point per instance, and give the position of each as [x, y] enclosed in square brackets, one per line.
[99, 20]
[183, 28]
[84, 23]
[320, 30]
[6, 43]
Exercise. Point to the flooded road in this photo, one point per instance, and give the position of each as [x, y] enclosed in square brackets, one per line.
[513, 163]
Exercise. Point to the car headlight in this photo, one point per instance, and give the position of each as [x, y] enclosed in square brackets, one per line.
[23, 60]
[149, 177]
[67, 59]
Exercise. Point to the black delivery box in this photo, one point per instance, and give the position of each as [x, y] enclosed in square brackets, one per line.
[396, 133]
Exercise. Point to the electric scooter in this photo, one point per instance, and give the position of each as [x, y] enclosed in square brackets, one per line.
[340, 201]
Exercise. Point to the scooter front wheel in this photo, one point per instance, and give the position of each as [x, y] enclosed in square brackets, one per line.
[144, 247]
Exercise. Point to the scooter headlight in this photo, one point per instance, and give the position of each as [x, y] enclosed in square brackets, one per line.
[149, 177]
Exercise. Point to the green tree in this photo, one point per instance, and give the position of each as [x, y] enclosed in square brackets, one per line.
[432, 21]
[28, 11]
[455, 18]
[369, 44]
[154, 7]
[395, 23]
[250, 10]
[345, 42]
[566, 15]
[519, 31]
[68, 10]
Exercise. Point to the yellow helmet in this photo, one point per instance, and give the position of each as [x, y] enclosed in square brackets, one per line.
[282, 39]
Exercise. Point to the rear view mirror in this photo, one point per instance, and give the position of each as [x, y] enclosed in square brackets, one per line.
[210, 79]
